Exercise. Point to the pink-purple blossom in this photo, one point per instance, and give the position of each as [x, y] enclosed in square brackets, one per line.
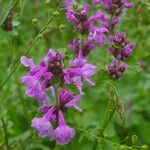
[63, 133]
[116, 69]
[51, 71]
[120, 47]
[51, 76]
[80, 69]
[42, 76]
[68, 100]
[87, 46]
[114, 8]
[85, 25]
[68, 4]
[114, 5]
[43, 125]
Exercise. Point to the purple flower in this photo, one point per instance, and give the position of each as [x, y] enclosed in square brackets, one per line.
[116, 68]
[68, 100]
[116, 6]
[68, 3]
[85, 24]
[128, 5]
[42, 125]
[75, 45]
[115, 20]
[96, 2]
[40, 77]
[98, 36]
[62, 134]
[120, 47]
[80, 68]
[87, 46]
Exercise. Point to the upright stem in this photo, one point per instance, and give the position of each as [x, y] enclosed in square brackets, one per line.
[57, 97]
[5, 133]
[111, 26]
[110, 114]
[107, 119]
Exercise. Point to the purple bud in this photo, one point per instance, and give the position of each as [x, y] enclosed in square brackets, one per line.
[116, 68]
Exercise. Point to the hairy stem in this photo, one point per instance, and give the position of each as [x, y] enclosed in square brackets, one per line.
[29, 48]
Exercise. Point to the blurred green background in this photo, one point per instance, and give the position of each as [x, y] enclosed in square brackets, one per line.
[17, 110]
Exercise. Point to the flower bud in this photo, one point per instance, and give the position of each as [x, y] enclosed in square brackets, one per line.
[62, 27]
[40, 36]
[106, 136]
[144, 147]
[134, 139]
[122, 147]
[56, 13]
[34, 21]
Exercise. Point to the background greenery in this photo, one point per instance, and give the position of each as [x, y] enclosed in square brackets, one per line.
[17, 110]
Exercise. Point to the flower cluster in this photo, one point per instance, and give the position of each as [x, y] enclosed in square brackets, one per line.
[117, 68]
[52, 77]
[119, 47]
[54, 115]
[84, 25]
[43, 78]
[114, 8]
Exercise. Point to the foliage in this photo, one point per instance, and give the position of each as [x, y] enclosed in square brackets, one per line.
[130, 93]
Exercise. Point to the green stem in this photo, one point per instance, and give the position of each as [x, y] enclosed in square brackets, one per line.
[7, 14]
[107, 119]
[106, 122]
[57, 97]
[5, 133]
[29, 48]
